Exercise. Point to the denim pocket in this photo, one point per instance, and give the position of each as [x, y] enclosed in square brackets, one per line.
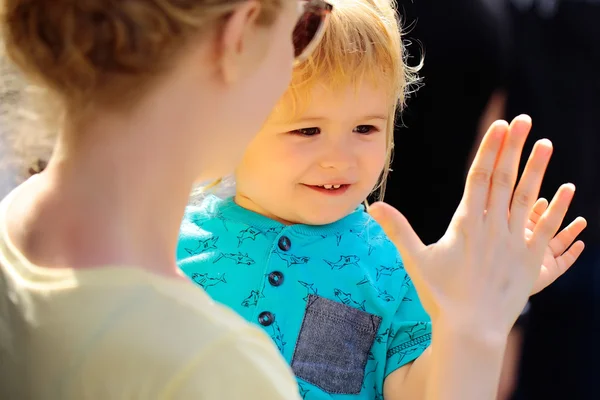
[333, 345]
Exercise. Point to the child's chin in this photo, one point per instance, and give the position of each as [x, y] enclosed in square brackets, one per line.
[325, 218]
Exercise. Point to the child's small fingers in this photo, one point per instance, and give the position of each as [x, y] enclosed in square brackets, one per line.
[538, 209]
[565, 237]
[536, 213]
[569, 257]
[552, 219]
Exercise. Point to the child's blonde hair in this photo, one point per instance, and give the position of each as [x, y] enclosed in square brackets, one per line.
[362, 42]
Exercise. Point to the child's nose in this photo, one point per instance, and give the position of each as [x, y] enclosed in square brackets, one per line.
[338, 156]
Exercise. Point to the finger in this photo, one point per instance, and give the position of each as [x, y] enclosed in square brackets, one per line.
[539, 208]
[563, 263]
[566, 260]
[552, 219]
[529, 185]
[567, 236]
[477, 186]
[505, 172]
[398, 229]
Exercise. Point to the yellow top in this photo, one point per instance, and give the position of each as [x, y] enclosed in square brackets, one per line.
[124, 333]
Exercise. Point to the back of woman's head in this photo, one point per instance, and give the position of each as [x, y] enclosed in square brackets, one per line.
[86, 51]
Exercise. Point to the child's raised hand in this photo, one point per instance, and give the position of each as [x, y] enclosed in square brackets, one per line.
[561, 252]
[480, 274]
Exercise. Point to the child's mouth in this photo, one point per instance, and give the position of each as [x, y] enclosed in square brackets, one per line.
[329, 189]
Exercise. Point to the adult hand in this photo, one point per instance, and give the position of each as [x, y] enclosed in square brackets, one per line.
[479, 275]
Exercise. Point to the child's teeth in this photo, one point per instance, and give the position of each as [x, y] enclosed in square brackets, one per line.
[329, 187]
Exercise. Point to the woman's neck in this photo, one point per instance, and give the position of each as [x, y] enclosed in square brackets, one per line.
[116, 199]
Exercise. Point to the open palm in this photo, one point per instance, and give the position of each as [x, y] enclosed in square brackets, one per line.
[561, 252]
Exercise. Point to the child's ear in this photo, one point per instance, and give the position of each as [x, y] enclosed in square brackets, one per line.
[241, 43]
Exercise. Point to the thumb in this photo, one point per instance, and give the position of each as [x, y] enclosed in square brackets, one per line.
[398, 229]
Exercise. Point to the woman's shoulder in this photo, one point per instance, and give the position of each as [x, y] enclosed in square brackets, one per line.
[201, 344]
[137, 331]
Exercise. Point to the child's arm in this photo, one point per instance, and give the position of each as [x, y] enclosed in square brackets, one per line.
[457, 356]
[475, 281]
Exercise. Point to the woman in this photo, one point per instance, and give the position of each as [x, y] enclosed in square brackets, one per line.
[157, 94]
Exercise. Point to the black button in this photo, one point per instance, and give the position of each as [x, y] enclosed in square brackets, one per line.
[266, 318]
[276, 278]
[284, 243]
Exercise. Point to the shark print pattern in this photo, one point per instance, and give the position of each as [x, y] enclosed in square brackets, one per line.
[372, 243]
[218, 216]
[204, 246]
[417, 329]
[382, 294]
[252, 299]
[372, 370]
[343, 262]
[383, 270]
[349, 266]
[303, 390]
[346, 298]
[408, 348]
[207, 281]
[273, 231]
[378, 393]
[383, 336]
[239, 258]
[310, 288]
[277, 337]
[338, 237]
[249, 233]
[291, 259]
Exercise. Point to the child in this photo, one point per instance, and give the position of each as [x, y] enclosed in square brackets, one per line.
[294, 251]
[296, 236]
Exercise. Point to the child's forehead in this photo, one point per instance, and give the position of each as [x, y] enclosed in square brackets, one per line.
[322, 98]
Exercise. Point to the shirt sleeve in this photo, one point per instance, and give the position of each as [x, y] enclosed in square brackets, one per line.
[410, 332]
[244, 367]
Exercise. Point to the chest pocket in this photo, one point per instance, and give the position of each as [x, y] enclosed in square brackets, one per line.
[333, 345]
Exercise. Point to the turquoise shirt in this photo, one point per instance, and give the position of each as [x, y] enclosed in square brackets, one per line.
[335, 299]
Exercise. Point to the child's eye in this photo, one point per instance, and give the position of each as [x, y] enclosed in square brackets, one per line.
[306, 131]
[365, 129]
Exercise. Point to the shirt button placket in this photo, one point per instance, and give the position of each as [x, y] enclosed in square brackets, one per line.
[284, 244]
[266, 318]
[276, 278]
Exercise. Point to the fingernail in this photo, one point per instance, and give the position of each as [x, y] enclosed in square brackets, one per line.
[524, 118]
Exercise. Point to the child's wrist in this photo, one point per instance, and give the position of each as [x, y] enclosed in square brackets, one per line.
[471, 333]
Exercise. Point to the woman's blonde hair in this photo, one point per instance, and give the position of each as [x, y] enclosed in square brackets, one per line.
[68, 55]
[106, 52]
[362, 42]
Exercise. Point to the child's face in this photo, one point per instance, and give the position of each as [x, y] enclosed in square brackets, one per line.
[340, 139]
